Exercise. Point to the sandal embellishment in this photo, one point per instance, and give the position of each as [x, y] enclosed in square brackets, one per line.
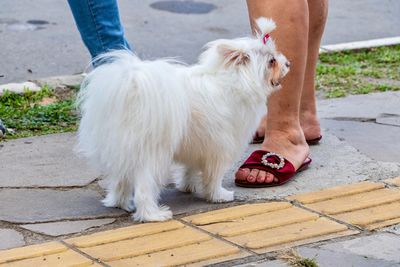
[270, 164]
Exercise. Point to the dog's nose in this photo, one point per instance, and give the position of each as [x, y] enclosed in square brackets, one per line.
[287, 64]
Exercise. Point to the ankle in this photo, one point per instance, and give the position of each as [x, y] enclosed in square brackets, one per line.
[293, 135]
[310, 124]
[290, 126]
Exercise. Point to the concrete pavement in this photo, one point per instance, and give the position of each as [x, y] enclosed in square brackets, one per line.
[240, 234]
[39, 39]
[48, 194]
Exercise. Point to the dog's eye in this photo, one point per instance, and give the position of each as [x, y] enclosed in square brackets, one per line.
[272, 61]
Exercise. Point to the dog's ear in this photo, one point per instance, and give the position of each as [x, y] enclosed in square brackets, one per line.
[233, 56]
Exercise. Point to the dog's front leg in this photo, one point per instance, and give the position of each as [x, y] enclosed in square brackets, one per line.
[119, 192]
[147, 192]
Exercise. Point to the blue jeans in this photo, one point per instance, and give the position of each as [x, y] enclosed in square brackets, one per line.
[99, 24]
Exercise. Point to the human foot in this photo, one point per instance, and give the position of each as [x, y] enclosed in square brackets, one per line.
[291, 145]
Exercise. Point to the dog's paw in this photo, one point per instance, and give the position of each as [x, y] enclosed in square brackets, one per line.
[128, 205]
[110, 201]
[161, 213]
[222, 195]
[186, 188]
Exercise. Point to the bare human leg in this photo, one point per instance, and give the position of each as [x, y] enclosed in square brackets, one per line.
[283, 133]
[318, 11]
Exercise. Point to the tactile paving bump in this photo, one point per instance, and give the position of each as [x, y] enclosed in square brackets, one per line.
[366, 204]
[47, 254]
[155, 244]
[267, 226]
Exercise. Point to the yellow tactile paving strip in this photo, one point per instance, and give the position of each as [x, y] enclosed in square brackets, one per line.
[197, 252]
[267, 225]
[335, 192]
[359, 204]
[124, 233]
[48, 254]
[157, 244]
[226, 234]
[223, 215]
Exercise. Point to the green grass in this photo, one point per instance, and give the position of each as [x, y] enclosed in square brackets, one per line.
[294, 259]
[358, 72]
[27, 116]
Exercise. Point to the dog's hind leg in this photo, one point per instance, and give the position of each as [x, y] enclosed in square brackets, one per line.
[119, 194]
[213, 174]
[147, 192]
[191, 182]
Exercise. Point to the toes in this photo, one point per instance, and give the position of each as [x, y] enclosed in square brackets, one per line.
[252, 176]
[269, 178]
[242, 174]
[261, 177]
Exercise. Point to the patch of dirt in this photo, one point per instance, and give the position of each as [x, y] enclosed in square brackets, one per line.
[47, 101]
[64, 93]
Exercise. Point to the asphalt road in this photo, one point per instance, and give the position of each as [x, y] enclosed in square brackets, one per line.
[39, 39]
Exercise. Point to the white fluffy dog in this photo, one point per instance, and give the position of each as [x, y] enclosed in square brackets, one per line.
[138, 117]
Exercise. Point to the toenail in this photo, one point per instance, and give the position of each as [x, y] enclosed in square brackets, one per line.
[251, 178]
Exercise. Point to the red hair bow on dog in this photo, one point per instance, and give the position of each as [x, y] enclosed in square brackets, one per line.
[265, 39]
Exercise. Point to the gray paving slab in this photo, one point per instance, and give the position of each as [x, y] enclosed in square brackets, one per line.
[178, 201]
[360, 106]
[66, 227]
[267, 263]
[334, 163]
[378, 141]
[43, 205]
[10, 238]
[389, 119]
[383, 246]
[44, 161]
[327, 258]
[61, 81]
[395, 229]
[181, 203]
[55, 48]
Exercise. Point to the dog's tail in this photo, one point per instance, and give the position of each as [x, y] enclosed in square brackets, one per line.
[108, 75]
[265, 26]
[130, 107]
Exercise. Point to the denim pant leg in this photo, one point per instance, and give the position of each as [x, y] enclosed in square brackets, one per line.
[99, 24]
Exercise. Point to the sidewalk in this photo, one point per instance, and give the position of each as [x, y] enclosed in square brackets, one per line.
[239, 234]
[55, 47]
[47, 195]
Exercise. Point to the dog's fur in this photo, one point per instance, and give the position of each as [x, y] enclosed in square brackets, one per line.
[138, 117]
